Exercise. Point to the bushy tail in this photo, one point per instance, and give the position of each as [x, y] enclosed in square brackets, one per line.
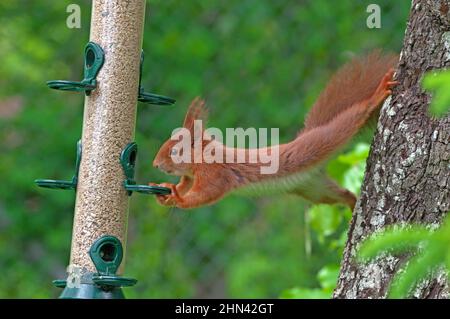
[355, 82]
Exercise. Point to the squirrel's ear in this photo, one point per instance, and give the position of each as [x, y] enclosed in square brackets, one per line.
[196, 111]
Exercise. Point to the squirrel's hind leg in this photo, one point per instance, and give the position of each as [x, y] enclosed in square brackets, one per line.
[329, 193]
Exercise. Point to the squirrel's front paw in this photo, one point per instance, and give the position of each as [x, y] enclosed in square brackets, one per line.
[167, 200]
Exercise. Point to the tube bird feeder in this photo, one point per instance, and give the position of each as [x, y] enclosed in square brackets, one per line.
[106, 156]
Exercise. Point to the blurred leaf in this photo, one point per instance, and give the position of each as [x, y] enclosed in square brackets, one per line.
[324, 219]
[430, 250]
[438, 82]
[393, 240]
[328, 276]
[348, 168]
[353, 177]
[305, 293]
[417, 268]
[356, 156]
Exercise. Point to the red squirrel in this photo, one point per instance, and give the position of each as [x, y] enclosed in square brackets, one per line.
[351, 98]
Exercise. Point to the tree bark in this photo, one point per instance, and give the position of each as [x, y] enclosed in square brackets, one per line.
[407, 178]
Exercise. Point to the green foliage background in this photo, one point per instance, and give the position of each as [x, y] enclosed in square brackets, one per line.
[258, 64]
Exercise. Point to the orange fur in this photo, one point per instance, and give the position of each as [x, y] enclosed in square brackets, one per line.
[352, 95]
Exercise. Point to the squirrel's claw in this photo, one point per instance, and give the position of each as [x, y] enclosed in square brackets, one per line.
[384, 89]
[168, 200]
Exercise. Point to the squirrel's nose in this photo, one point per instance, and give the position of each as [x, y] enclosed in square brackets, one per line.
[155, 165]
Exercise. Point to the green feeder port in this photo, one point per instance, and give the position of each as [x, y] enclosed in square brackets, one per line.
[94, 58]
[106, 253]
[128, 161]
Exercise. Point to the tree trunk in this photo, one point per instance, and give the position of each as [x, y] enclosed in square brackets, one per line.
[407, 178]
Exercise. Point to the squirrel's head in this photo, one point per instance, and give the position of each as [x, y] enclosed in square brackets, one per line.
[176, 155]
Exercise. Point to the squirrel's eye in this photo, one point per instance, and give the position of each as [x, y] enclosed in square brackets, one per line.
[173, 151]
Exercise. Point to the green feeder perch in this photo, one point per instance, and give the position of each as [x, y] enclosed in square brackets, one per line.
[93, 62]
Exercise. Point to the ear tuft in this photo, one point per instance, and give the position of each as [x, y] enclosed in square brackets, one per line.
[196, 111]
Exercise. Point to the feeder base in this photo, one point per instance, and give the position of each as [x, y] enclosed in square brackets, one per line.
[91, 291]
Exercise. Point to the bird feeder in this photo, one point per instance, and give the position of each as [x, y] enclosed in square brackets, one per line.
[106, 155]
